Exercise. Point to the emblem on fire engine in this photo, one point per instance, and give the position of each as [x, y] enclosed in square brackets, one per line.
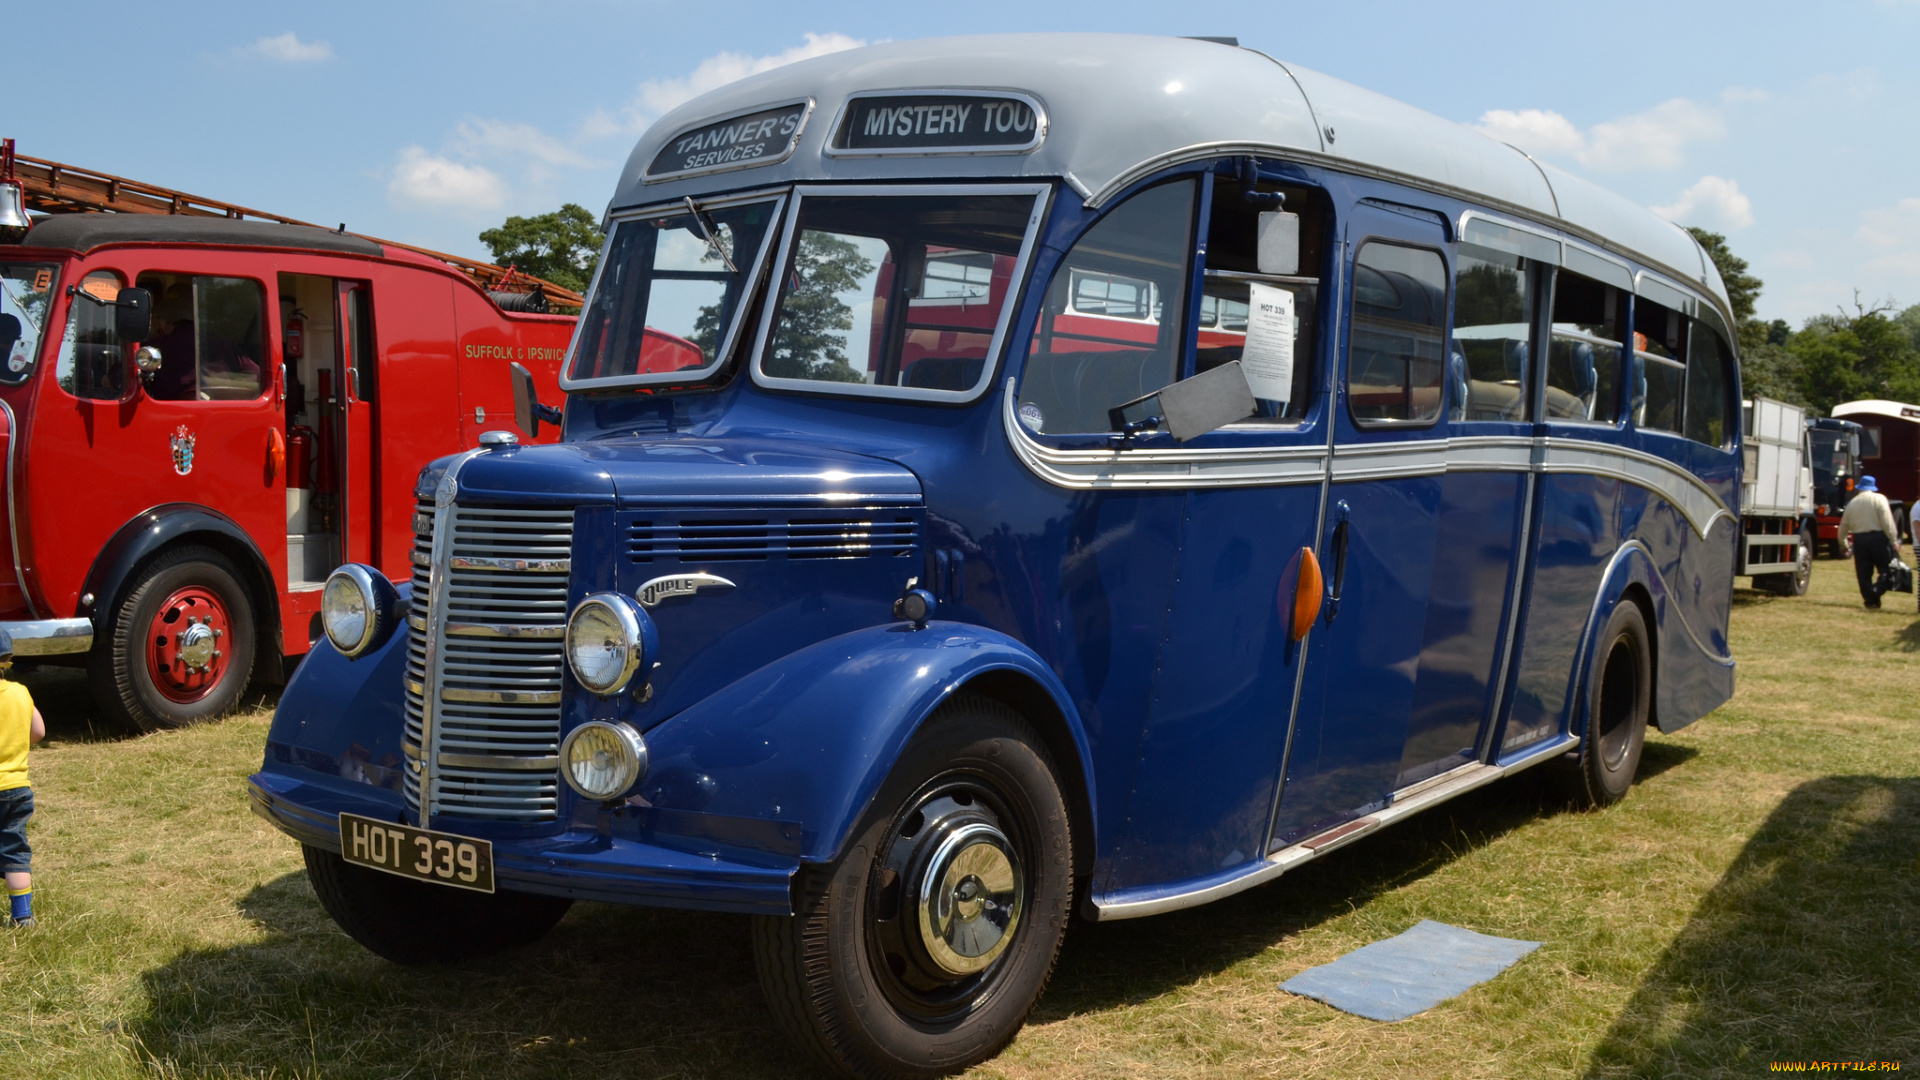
[182, 450]
[664, 588]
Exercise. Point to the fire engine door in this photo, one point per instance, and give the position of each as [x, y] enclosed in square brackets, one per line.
[356, 366]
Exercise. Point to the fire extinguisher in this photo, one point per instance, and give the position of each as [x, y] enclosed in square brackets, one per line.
[296, 338]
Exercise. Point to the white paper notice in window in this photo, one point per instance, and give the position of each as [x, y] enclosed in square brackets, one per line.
[1268, 356]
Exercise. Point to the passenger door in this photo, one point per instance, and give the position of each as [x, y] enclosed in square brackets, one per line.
[1229, 669]
[1378, 539]
[356, 361]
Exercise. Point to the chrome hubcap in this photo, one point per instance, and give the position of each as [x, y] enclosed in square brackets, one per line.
[969, 900]
[196, 644]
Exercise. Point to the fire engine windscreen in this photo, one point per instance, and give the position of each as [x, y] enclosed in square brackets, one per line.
[26, 295]
[668, 296]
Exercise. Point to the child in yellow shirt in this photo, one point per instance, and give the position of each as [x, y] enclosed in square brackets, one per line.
[20, 727]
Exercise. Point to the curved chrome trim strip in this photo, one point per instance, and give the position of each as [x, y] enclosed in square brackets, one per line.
[1171, 468]
[1684, 490]
[1313, 847]
[503, 763]
[13, 518]
[536, 566]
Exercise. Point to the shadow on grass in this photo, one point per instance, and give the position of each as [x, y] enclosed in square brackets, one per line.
[642, 992]
[65, 699]
[1908, 639]
[1802, 952]
[613, 991]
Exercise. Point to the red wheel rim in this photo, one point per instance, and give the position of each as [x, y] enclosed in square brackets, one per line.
[188, 644]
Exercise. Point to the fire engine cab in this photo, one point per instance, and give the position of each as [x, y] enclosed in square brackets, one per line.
[204, 416]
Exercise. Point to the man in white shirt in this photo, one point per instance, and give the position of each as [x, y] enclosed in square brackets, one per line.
[1869, 522]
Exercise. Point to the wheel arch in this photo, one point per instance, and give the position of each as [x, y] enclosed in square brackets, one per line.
[812, 737]
[1631, 578]
[150, 533]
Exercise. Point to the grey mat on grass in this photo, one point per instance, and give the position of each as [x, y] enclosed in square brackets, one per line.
[1409, 974]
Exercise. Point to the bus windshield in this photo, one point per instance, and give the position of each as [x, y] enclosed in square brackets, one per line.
[26, 295]
[666, 304]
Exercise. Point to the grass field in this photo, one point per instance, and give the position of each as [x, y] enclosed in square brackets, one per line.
[1756, 899]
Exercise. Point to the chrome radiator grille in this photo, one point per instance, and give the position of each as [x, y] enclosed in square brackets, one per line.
[500, 605]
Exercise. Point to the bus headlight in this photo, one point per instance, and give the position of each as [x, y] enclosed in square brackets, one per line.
[358, 608]
[609, 637]
[602, 760]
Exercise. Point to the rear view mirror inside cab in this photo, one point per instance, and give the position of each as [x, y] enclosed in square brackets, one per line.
[1279, 242]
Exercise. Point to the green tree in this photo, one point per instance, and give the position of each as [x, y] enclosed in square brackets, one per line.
[805, 344]
[1844, 357]
[562, 247]
[1743, 289]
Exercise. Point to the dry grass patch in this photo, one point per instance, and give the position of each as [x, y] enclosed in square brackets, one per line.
[1756, 898]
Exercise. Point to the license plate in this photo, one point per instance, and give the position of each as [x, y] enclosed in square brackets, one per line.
[420, 854]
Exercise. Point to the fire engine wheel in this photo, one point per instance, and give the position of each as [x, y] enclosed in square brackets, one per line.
[179, 648]
[414, 923]
[1619, 700]
[922, 950]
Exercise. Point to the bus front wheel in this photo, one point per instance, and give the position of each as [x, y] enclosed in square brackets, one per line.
[921, 950]
[1619, 700]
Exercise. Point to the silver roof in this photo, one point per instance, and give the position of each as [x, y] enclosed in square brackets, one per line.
[1120, 106]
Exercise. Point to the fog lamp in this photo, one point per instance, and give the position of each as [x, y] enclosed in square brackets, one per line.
[603, 761]
[609, 637]
[358, 607]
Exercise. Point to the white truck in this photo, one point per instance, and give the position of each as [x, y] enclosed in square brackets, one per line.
[1776, 497]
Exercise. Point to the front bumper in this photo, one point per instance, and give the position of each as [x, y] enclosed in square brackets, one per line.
[49, 637]
[613, 864]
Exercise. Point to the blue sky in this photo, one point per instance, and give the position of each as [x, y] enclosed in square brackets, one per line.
[1792, 128]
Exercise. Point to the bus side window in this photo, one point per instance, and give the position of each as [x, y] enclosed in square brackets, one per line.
[1395, 360]
[1110, 328]
[1492, 329]
[1233, 279]
[1583, 362]
[1708, 383]
[1659, 343]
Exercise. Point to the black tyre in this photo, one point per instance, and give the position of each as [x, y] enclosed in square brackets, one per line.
[179, 647]
[1802, 575]
[1619, 700]
[414, 923]
[923, 949]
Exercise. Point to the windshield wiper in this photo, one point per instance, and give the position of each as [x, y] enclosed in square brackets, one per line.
[707, 233]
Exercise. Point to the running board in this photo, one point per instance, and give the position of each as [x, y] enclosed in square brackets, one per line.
[1405, 804]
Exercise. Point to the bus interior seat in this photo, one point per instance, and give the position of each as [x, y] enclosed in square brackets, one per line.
[1074, 390]
[945, 372]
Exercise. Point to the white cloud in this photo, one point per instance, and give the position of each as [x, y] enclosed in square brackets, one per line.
[656, 96]
[1653, 139]
[478, 138]
[290, 49]
[1712, 202]
[422, 178]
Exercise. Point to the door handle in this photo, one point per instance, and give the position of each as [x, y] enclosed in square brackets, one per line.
[1340, 513]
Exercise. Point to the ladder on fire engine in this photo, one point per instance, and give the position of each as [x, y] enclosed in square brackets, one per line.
[55, 188]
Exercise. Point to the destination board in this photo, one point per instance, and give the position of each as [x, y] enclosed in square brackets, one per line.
[938, 124]
[759, 138]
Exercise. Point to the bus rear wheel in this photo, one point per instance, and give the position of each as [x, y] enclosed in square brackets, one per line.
[922, 950]
[179, 647]
[1619, 701]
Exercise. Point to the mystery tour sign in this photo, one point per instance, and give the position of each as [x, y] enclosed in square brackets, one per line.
[758, 138]
[949, 123]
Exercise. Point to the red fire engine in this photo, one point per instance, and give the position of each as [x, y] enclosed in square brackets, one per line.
[204, 415]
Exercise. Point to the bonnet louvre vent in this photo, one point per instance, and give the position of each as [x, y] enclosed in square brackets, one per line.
[704, 538]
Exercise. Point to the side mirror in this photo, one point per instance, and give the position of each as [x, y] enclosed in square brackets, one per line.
[527, 410]
[133, 315]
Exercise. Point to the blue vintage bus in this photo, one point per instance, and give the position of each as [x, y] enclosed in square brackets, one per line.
[1016, 478]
